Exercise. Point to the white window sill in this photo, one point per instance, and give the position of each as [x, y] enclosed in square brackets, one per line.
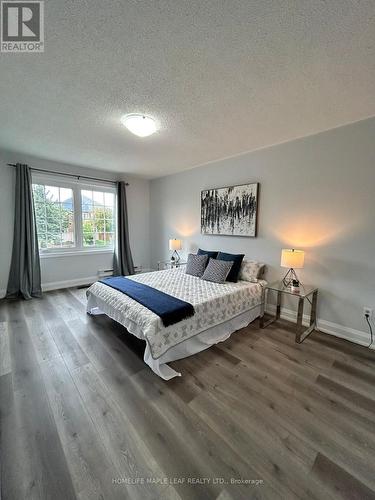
[75, 253]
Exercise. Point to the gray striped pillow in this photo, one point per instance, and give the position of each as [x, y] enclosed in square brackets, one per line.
[217, 270]
[196, 264]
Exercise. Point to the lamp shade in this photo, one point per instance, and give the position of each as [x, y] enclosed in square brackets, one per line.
[292, 258]
[175, 244]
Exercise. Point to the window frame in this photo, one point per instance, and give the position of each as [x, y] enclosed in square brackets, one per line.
[76, 186]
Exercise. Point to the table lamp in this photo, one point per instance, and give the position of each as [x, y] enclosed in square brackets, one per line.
[293, 259]
[175, 245]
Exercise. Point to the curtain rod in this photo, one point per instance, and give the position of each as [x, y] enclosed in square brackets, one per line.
[69, 175]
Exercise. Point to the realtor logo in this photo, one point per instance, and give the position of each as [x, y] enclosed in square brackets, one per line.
[22, 26]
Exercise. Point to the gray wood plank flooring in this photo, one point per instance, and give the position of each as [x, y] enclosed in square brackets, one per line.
[258, 416]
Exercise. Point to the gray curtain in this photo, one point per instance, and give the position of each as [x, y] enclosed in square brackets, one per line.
[123, 261]
[24, 276]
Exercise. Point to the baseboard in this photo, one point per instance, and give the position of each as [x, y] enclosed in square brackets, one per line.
[57, 285]
[324, 326]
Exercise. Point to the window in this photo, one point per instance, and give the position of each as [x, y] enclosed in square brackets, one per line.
[72, 216]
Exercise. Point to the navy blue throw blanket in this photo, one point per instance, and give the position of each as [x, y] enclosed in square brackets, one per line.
[170, 309]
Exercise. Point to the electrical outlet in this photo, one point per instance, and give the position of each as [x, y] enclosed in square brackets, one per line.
[367, 311]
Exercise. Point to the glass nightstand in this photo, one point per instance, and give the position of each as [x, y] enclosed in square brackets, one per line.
[170, 264]
[141, 270]
[306, 292]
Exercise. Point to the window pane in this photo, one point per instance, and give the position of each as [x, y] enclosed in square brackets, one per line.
[42, 241]
[109, 212]
[88, 239]
[67, 203]
[54, 216]
[66, 196]
[110, 238]
[87, 202]
[42, 228]
[67, 239]
[109, 200]
[100, 239]
[97, 218]
[109, 226]
[98, 198]
[53, 240]
[38, 192]
[52, 193]
[99, 225]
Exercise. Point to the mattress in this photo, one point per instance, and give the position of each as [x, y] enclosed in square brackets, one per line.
[213, 303]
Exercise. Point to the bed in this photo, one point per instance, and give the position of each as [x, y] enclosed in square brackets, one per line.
[220, 310]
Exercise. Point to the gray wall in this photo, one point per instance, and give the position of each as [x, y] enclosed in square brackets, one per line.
[316, 194]
[80, 267]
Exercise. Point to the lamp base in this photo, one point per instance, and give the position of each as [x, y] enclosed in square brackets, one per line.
[175, 258]
[290, 277]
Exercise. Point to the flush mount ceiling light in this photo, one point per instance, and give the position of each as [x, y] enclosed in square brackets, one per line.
[140, 125]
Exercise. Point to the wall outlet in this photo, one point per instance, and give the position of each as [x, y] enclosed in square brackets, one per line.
[367, 311]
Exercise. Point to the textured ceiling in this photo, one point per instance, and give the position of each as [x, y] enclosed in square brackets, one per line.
[220, 76]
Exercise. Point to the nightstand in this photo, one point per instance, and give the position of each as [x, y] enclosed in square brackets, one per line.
[170, 264]
[141, 270]
[306, 292]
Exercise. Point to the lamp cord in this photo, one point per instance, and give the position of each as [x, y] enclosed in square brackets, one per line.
[370, 327]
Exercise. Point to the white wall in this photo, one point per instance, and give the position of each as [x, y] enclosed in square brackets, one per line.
[316, 194]
[81, 268]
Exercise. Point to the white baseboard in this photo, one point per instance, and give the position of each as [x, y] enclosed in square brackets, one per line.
[324, 326]
[57, 285]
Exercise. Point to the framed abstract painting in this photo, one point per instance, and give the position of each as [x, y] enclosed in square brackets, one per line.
[230, 211]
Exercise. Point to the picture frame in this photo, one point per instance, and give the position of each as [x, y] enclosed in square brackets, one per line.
[230, 211]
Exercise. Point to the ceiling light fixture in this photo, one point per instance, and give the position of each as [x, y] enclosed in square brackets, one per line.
[140, 125]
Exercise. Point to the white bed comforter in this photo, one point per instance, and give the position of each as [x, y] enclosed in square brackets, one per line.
[213, 303]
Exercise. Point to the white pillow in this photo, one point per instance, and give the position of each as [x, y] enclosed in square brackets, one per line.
[251, 270]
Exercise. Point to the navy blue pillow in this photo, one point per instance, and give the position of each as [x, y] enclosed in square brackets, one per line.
[237, 261]
[211, 255]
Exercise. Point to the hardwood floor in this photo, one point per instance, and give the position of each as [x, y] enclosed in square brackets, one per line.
[83, 417]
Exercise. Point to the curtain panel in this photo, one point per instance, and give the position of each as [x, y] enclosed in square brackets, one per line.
[123, 262]
[24, 276]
